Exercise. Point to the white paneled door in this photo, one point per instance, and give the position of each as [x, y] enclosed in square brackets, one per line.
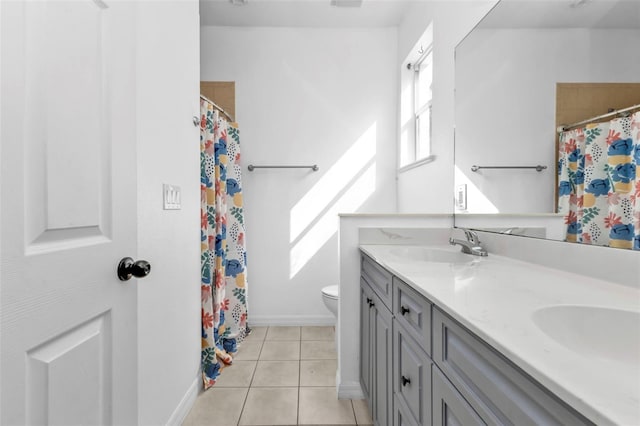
[68, 212]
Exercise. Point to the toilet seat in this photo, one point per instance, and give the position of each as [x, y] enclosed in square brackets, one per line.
[330, 291]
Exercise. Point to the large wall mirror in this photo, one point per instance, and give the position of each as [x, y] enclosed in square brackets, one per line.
[526, 65]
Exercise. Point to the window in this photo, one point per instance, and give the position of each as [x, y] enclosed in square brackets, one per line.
[416, 97]
[422, 96]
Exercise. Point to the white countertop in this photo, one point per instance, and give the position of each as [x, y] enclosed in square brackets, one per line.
[495, 297]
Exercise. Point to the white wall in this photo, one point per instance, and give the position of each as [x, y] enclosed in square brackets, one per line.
[306, 96]
[506, 94]
[429, 188]
[168, 152]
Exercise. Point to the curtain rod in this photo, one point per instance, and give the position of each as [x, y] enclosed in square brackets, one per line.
[563, 128]
[218, 107]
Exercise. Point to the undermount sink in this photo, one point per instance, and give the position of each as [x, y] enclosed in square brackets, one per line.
[608, 333]
[430, 254]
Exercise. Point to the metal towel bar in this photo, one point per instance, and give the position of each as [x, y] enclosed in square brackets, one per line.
[314, 167]
[538, 168]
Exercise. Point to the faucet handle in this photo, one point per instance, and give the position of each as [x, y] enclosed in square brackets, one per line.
[472, 237]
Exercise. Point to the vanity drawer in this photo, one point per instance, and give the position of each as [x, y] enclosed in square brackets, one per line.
[411, 377]
[378, 278]
[413, 311]
[497, 390]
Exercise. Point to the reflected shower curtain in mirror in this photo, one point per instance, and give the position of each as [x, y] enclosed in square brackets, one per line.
[599, 189]
[223, 255]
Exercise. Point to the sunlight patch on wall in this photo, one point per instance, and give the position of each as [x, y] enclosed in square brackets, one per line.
[334, 181]
[327, 226]
[477, 202]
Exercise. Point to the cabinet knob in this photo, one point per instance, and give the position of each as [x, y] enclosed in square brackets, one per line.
[403, 310]
[369, 301]
[371, 304]
[405, 381]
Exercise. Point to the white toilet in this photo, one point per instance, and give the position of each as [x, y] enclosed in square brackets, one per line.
[330, 298]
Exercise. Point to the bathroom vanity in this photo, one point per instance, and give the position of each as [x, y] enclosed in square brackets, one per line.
[449, 338]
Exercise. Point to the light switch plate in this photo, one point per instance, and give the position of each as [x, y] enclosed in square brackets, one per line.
[461, 196]
[172, 197]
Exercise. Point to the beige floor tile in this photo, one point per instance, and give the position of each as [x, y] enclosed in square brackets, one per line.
[237, 375]
[257, 334]
[270, 406]
[318, 333]
[318, 372]
[283, 333]
[280, 350]
[321, 406]
[217, 407]
[363, 416]
[313, 349]
[249, 351]
[276, 373]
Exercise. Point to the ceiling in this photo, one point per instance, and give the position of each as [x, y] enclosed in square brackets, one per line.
[302, 13]
[618, 14]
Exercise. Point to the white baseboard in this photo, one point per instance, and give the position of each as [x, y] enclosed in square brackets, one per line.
[181, 411]
[350, 390]
[290, 320]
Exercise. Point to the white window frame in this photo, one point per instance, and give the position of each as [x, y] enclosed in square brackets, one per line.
[419, 112]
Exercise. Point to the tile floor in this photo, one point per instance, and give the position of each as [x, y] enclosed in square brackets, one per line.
[280, 376]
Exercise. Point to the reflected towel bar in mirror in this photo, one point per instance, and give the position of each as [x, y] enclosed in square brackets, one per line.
[538, 168]
[314, 167]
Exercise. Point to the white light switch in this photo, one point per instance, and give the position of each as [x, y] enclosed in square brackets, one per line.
[461, 197]
[171, 195]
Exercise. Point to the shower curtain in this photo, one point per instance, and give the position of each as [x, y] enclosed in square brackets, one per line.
[599, 185]
[223, 255]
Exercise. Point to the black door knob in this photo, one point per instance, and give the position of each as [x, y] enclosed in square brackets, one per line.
[127, 268]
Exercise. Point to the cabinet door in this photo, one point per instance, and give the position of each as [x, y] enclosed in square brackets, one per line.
[412, 375]
[366, 299]
[497, 390]
[382, 367]
[449, 407]
[401, 414]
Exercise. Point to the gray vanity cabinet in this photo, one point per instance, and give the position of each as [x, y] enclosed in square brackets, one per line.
[498, 391]
[376, 341]
[419, 366]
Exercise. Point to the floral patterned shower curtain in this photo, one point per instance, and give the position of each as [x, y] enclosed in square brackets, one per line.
[599, 185]
[223, 255]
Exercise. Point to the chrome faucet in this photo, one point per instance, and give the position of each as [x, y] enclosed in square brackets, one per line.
[472, 245]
